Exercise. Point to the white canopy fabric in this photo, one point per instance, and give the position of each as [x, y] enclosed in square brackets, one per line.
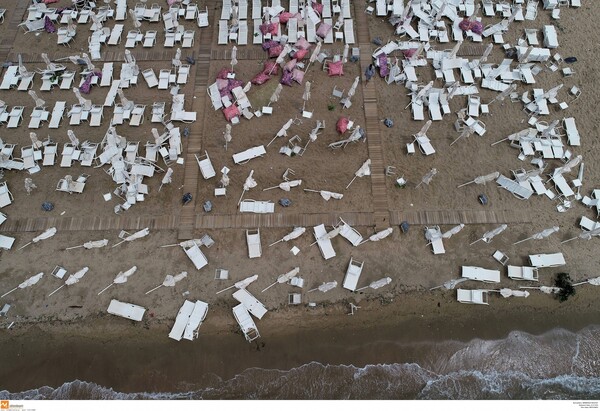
[330, 194]
[507, 292]
[276, 93]
[284, 278]
[168, 176]
[124, 275]
[453, 230]
[325, 287]
[27, 283]
[45, 235]
[233, 57]
[377, 284]
[74, 278]
[297, 232]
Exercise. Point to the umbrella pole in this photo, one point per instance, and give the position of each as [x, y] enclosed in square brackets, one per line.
[118, 244]
[269, 287]
[106, 288]
[270, 188]
[362, 242]
[435, 288]
[312, 191]
[476, 241]
[274, 138]
[361, 288]
[499, 141]
[168, 245]
[276, 242]
[56, 290]
[25, 245]
[465, 184]
[160, 187]
[570, 239]
[314, 289]
[154, 289]
[72, 248]
[522, 241]
[351, 182]
[242, 196]
[8, 292]
[228, 288]
[581, 283]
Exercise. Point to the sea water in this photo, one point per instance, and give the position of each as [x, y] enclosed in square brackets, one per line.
[558, 364]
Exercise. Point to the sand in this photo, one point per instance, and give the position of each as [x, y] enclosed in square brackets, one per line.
[76, 313]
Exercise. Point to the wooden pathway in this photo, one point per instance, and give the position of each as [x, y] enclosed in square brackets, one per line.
[277, 220]
[372, 126]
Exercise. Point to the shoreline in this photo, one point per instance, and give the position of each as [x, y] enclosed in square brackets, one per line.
[127, 357]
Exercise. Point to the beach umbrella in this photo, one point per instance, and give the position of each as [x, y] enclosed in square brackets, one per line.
[330, 235]
[248, 184]
[85, 103]
[284, 278]
[486, 53]
[224, 180]
[507, 292]
[297, 232]
[377, 284]
[283, 131]
[227, 134]
[38, 101]
[483, 179]
[420, 95]
[541, 235]
[136, 23]
[90, 244]
[167, 179]
[73, 279]
[233, 57]
[424, 129]
[346, 51]
[125, 102]
[505, 93]
[325, 287]
[276, 93]
[121, 278]
[327, 194]
[170, 281]
[134, 236]
[241, 284]
[88, 62]
[73, 138]
[186, 243]
[585, 235]
[353, 87]
[314, 54]
[428, 177]
[454, 50]
[176, 61]
[29, 186]
[546, 133]
[552, 93]
[45, 235]
[34, 140]
[453, 230]
[487, 237]
[449, 285]
[544, 289]
[97, 24]
[71, 26]
[464, 134]
[306, 95]
[286, 185]
[364, 170]
[379, 235]
[592, 281]
[129, 59]
[27, 283]
[567, 167]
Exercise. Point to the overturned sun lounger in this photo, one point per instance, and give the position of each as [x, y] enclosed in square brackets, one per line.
[189, 318]
[126, 310]
[245, 322]
[254, 307]
[472, 296]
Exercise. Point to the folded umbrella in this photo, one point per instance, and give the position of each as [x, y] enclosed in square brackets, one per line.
[325, 287]
[90, 244]
[377, 284]
[284, 278]
[297, 232]
[45, 235]
[121, 278]
[241, 284]
[27, 283]
[170, 281]
[73, 279]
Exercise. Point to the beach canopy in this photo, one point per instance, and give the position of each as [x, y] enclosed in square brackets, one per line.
[248, 184]
[483, 179]
[27, 283]
[242, 283]
[286, 185]
[585, 235]
[73, 279]
[170, 281]
[284, 278]
[380, 235]
[336, 69]
[428, 177]
[276, 93]
[121, 278]
[325, 287]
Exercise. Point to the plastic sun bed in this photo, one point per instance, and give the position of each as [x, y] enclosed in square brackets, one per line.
[254, 307]
[480, 274]
[472, 296]
[196, 256]
[523, 273]
[126, 310]
[257, 207]
[254, 245]
[245, 322]
[352, 274]
[323, 242]
[249, 154]
[547, 260]
[188, 320]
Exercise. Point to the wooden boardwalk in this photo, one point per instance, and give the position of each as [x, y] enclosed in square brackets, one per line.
[372, 126]
[194, 141]
[6, 43]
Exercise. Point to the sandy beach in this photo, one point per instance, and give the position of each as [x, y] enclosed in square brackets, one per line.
[138, 357]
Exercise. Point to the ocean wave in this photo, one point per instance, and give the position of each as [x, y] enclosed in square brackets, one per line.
[556, 365]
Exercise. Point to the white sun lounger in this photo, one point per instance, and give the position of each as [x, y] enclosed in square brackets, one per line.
[188, 39]
[349, 31]
[472, 296]
[183, 73]
[425, 145]
[547, 260]
[215, 96]
[6, 242]
[88, 153]
[250, 303]
[352, 274]
[164, 79]
[205, 165]
[115, 35]
[243, 33]
[150, 78]
[245, 322]
[66, 80]
[107, 74]
[247, 155]
[561, 185]
[15, 116]
[38, 115]
[257, 207]
[150, 38]
[133, 37]
[50, 151]
[257, 36]
[26, 82]
[96, 113]
[158, 112]
[6, 197]
[254, 244]
[112, 93]
[11, 78]
[196, 256]
[480, 274]
[126, 310]
[137, 115]
[523, 273]
[350, 233]
[550, 37]
[202, 19]
[195, 320]
[223, 32]
[324, 242]
[571, 130]
[181, 321]
[522, 193]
